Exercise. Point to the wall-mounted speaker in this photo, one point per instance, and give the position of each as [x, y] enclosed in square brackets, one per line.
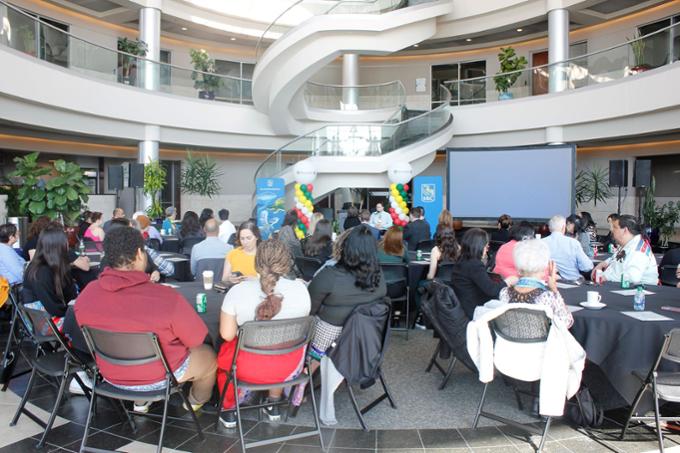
[115, 177]
[618, 173]
[642, 177]
[137, 175]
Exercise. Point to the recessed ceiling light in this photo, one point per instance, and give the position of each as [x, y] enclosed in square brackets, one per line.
[184, 28]
[232, 39]
[468, 39]
[415, 45]
[520, 29]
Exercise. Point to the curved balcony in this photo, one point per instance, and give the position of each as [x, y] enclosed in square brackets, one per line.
[381, 96]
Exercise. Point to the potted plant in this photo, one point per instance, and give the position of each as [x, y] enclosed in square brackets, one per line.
[659, 221]
[637, 46]
[128, 63]
[204, 66]
[592, 185]
[511, 67]
[154, 183]
[201, 176]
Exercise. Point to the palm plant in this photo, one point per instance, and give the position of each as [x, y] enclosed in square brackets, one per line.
[592, 185]
[201, 176]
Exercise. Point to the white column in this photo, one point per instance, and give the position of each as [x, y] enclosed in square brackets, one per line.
[350, 77]
[558, 48]
[150, 33]
[147, 151]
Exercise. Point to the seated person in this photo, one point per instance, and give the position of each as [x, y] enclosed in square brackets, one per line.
[320, 244]
[84, 223]
[505, 264]
[566, 252]
[634, 259]
[124, 300]
[227, 229]
[575, 230]
[148, 231]
[502, 234]
[242, 258]
[287, 233]
[532, 258]
[352, 218]
[365, 218]
[33, 233]
[356, 279]
[11, 264]
[157, 267]
[417, 230]
[469, 277]
[671, 257]
[118, 213]
[95, 232]
[445, 250]
[190, 227]
[210, 247]
[169, 221]
[391, 250]
[272, 296]
[380, 220]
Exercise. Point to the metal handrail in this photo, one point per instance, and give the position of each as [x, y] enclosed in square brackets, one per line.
[370, 85]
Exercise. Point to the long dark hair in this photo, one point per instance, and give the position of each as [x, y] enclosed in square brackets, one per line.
[248, 225]
[272, 261]
[578, 223]
[190, 224]
[472, 244]
[587, 219]
[522, 231]
[445, 240]
[52, 251]
[206, 214]
[320, 239]
[359, 257]
[290, 218]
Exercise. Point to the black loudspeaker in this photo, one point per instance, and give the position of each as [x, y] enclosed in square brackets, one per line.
[618, 173]
[136, 175]
[642, 177]
[115, 177]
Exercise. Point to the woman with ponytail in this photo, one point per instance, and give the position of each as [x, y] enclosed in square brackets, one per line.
[271, 296]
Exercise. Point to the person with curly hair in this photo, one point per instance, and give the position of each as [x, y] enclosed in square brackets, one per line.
[271, 296]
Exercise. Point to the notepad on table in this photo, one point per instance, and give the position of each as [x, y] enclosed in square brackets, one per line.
[573, 308]
[566, 285]
[630, 292]
[176, 259]
[170, 285]
[646, 316]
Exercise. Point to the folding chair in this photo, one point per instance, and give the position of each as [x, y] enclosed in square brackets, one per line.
[663, 385]
[15, 337]
[425, 246]
[53, 359]
[131, 349]
[667, 275]
[186, 244]
[519, 325]
[307, 266]
[210, 264]
[396, 279]
[272, 338]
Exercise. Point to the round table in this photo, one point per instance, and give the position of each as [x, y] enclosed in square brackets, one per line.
[211, 317]
[617, 343]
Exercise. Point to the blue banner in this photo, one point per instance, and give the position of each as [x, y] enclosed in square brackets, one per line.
[270, 194]
[427, 193]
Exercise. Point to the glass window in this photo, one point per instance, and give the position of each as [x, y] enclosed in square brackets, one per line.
[469, 92]
[657, 50]
[230, 89]
[54, 42]
[22, 36]
[166, 72]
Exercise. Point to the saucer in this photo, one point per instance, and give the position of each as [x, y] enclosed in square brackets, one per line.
[597, 306]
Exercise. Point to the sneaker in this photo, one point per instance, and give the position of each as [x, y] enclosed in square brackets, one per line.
[272, 412]
[141, 408]
[74, 387]
[420, 323]
[228, 419]
[194, 407]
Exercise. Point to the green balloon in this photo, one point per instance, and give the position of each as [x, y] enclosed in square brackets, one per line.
[400, 187]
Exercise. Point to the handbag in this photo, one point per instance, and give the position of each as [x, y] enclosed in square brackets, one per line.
[585, 411]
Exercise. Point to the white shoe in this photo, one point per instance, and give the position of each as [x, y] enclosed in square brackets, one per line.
[75, 389]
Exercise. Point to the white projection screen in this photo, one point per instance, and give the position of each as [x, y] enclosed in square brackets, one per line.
[532, 183]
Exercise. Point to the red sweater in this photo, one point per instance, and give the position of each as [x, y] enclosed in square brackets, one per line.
[126, 301]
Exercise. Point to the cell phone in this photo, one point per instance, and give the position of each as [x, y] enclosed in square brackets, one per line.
[237, 274]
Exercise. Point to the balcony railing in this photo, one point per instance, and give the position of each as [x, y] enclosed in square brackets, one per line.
[389, 95]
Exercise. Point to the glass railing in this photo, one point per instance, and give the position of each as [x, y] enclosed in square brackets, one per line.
[25, 33]
[361, 97]
[302, 10]
[644, 53]
[361, 139]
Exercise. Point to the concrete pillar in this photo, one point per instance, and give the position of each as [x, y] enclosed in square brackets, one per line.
[150, 33]
[350, 79]
[147, 151]
[558, 49]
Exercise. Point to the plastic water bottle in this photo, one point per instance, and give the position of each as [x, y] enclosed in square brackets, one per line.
[639, 299]
[419, 255]
[81, 248]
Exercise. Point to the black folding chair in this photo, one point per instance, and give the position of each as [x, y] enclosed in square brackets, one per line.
[210, 264]
[668, 275]
[425, 246]
[131, 349]
[396, 279]
[186, 244]
[664, 386]
[15, 337]
[54, 358]
[272, 338]
[307, 266]
[519, 325]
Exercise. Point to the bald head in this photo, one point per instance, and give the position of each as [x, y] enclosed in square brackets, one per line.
[211, 227]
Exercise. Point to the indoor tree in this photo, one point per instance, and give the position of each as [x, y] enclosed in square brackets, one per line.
[201, 176]
[154, 183]
[592, 185]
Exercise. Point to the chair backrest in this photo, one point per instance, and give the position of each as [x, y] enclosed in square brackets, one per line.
[44, 329]
[671, 347]
[154, 243]
[186, 244]
[667, 275]
[425, 246]
[396, 279]
[124, 348]
[210, 264]
[522, 325]
[307, 266]
[444, 272]
[275, 337]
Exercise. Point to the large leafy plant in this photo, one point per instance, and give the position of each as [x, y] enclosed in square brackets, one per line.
[203, 80]
[60, 197]
[664, 217]
[154, 183]
[509, 62]
[201, 176]
[592, 185]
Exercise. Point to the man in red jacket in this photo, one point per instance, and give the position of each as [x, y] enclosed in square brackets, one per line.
[123, 299]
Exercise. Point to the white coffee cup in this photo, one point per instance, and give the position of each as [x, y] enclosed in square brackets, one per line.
[208, 279]
[594, 297]
[538, 236]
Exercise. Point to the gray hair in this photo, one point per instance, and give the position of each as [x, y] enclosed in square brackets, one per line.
[169, 211]
[557, 223]
[531, 256]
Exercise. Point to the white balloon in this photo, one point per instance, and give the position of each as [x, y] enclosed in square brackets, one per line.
[398, 210]
[298, 205]
[304, 172]
[402, 216]
[305, 211]
[393, 203]
[400, 172]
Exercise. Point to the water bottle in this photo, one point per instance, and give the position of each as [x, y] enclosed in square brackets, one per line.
[639, 299]
[419, 255]
[625, 281]
[81, 248]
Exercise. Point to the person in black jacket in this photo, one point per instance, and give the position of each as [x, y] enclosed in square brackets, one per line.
[503, 232]
[48, 278]
[417, 230]
[352, 219]
[469, 278]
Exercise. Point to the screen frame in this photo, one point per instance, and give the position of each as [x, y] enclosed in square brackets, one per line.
[450, 150]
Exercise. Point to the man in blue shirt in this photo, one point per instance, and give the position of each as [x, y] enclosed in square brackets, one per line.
[211, 247]
[566, 252]
[11, 264]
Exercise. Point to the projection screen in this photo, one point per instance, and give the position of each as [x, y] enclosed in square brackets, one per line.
[532, 183]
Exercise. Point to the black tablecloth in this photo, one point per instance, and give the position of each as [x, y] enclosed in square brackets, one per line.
[212, 315]
[170, 244]
[617, 343]
[417, 271]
